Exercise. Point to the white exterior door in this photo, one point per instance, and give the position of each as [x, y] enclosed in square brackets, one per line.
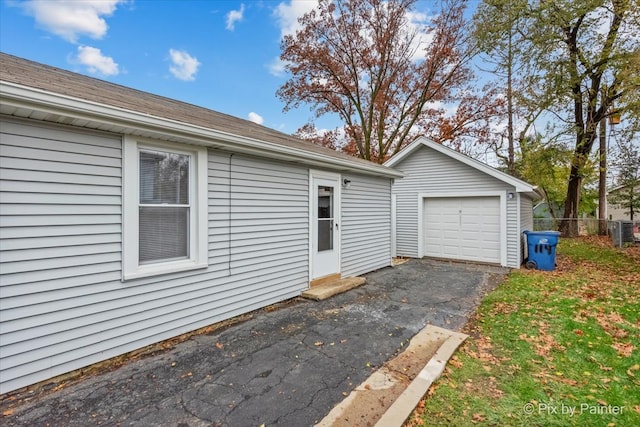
[465, 228]
[325, 224]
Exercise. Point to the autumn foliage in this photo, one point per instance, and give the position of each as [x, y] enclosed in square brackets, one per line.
[385, 70]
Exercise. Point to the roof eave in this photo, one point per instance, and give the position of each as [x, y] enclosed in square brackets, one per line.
[22, 96]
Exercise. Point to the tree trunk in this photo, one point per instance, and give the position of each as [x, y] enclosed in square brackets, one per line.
[511, 164]
[569, 223]
[602, 179]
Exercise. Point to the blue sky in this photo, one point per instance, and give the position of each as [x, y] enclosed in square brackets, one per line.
[221, 55]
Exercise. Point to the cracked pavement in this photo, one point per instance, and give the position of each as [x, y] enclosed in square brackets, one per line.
[285, 367]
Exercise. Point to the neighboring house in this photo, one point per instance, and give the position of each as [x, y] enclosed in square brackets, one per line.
[451, 206]
[616, 211]
[541, 210]
[128, 218]
[542, 217]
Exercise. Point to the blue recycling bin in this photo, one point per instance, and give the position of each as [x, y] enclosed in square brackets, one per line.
[542, 249]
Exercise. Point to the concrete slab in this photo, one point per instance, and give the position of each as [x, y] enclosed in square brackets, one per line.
[389, 395]
[335, 287]
[404, 404]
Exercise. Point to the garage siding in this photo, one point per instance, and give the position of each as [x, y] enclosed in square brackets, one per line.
[366, 219]
[64, 305]
[406, 224]
[513, 233]
[526, 223]
[428, 171]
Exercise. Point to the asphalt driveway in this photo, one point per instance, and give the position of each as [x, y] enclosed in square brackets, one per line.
[287, 366]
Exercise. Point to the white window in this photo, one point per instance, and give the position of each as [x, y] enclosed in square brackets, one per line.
[165, 208]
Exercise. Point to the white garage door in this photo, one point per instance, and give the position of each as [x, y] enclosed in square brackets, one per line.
[465, 228]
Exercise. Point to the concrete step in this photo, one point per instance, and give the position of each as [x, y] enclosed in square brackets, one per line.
[332, 288]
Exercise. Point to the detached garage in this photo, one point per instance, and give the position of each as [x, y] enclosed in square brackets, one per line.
[451, 206]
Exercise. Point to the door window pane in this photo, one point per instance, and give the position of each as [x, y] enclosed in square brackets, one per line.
[325, 202]
[325, 234]
[325, 218]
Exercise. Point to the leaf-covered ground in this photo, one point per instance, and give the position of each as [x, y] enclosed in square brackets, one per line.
[557, 348]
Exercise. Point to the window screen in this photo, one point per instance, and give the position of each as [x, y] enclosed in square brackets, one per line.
[164, 206]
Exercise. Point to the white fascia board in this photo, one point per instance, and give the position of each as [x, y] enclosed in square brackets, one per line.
[40, 100]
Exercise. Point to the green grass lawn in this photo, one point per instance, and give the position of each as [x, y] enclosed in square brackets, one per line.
[557, 348]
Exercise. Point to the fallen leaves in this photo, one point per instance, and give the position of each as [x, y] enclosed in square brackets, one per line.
[611, 323]
[456, 362]
[483, 352]
[477, 417]
[544, 343]
[504, 308]
[482, 386]
[623, 349]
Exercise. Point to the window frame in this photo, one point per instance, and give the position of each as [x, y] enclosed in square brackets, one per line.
[131, 267]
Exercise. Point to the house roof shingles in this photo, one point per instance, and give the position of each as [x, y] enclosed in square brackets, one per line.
[31, 74]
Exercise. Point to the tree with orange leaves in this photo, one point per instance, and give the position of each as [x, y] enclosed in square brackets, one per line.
[385, 75]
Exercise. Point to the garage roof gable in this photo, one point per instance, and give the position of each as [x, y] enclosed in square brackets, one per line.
[520, 186]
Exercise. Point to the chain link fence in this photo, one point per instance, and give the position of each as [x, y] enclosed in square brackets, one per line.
[623, 233]
[586, 226]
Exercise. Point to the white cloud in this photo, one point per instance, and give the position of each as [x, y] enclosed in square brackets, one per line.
[449, 109]
[184, 65]
[417, 23]
[287, 14]
[70, 19]
[277, 67]
[96, 62]
[256, 118]
[235, 16]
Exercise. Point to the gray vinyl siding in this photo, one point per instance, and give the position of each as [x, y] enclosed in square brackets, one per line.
[366, 225]
[60, 240]
[268, 204]
[513, 233]
[64, 305]
[526, 223]
[428, 171]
